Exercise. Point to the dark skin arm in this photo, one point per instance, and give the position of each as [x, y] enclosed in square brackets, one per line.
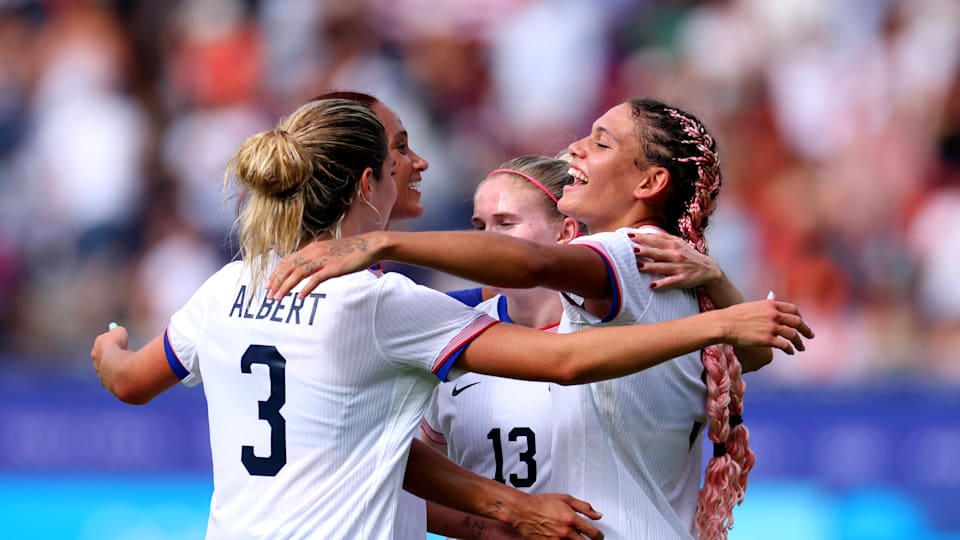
[432, 476]
[519, 264]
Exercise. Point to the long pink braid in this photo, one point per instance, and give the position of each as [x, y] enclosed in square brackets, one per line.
[725, 480]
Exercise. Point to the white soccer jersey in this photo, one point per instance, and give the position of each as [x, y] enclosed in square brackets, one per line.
[312, 404]
[496, 427]
[631, 446]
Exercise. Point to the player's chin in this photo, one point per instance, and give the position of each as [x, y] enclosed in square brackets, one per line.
[406, 209]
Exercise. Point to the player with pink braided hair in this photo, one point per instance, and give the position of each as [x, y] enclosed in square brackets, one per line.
[646, 179]
[726, 475]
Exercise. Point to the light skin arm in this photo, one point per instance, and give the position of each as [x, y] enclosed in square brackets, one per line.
[133, 377]
[681, 266]
[430, 475]
[609, 352]
[468, 254]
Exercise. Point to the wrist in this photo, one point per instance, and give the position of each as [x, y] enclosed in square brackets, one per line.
[382, 244]
[503, 505]
[718, 331]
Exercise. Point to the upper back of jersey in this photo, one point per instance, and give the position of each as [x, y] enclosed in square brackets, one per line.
[632, 443]
[312, 404]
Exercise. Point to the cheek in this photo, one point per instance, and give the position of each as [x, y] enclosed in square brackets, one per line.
[535, 231]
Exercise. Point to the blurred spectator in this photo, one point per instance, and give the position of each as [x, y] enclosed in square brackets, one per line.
[840, 123]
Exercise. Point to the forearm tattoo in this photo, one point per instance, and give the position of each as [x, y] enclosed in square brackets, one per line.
[474, 525]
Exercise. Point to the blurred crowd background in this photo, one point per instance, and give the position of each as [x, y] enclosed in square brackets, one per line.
[838, 123]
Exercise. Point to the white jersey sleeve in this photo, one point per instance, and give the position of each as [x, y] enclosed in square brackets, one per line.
[497, 427]
[631, 446]
[182, 334]
[411, 320]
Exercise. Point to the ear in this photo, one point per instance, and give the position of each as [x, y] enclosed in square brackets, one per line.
[366, 183]
[653, 183]
[568, 231]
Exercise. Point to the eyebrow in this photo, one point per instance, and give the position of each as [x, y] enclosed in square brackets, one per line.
[498, 215]
[607, 132]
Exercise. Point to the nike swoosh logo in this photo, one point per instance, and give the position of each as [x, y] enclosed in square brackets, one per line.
[456, 391]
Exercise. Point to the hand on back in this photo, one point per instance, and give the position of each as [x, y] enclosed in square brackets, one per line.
[319, 261]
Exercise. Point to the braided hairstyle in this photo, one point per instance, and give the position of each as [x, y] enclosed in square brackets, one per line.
[678, 141]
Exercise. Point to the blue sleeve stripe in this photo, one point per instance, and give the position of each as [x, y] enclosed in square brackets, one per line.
[445, 368]
[470, 297]
[175, 364]
[502, 310]
[616, 299]
[448, 356]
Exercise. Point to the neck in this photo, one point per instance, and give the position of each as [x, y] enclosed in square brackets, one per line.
[356, 221]
[626, 221]
[534, 308]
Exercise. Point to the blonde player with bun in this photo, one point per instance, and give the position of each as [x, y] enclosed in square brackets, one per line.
[631, 445]
[313, 400]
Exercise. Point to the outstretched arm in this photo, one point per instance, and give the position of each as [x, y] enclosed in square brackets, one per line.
[432, 476]
[134, 377]
[681, 266]
[614, 351]
[484, 257]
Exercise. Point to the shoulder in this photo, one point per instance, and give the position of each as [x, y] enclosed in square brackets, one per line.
[491, 306]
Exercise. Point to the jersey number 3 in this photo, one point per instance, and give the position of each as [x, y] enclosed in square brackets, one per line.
[269, 411]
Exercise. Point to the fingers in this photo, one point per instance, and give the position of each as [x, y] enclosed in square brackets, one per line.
[656, 239]
[584, 508]
[790, 315]
[311, 284]
[792, 336]
[783, 344]
[662, 255]
[585, 528]
[287, 281]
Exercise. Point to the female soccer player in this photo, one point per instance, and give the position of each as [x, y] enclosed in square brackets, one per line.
[629, 445]
[313, 401]
[500, 428]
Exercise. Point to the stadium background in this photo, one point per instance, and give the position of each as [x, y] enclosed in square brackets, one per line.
[839, 126]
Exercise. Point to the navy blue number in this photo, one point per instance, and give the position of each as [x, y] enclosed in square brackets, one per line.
[269, 411]
[526, 456]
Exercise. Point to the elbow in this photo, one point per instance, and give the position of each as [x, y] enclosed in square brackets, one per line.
[128, 393]
[568, 371]
[131, 397]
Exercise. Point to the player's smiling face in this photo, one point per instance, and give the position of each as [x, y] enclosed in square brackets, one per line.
[604, 171]
[407, 165]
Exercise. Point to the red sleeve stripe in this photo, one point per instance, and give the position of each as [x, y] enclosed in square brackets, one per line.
[432, 434]
[471, 331]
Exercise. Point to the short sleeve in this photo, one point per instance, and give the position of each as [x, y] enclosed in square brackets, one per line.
[182, 334]
[416, 326]
[631, 288]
